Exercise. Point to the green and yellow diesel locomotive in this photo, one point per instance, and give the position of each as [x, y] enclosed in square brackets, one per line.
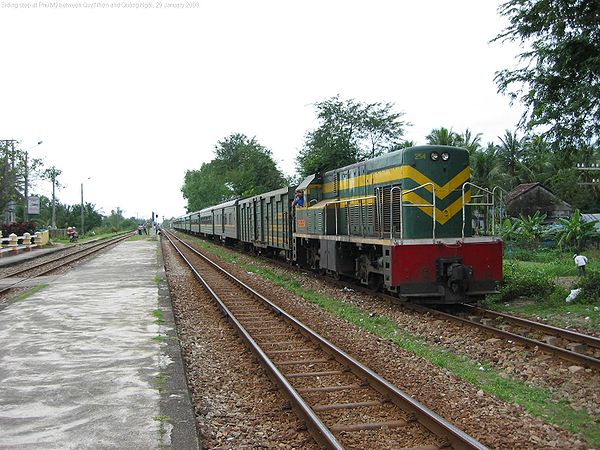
[403, 222]
[409, 222]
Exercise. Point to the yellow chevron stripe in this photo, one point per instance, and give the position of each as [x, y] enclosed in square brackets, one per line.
[441, 216]
[398, 173]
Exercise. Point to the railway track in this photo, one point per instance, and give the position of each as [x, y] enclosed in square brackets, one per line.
[18, 278]
[341, 401]
[569, 345]
[577, 348]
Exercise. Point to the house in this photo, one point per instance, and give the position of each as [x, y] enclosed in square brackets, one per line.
[592, 218]
[528, 198]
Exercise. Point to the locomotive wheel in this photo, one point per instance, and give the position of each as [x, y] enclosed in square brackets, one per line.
[375, 282]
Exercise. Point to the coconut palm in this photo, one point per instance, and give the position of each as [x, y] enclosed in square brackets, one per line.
[443, 136]
[510, 152]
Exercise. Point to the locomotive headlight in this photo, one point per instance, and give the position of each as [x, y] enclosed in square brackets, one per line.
[445, 156]
[434, 156]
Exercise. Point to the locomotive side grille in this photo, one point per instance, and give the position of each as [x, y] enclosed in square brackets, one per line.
[318, 222]
[385, 201]
[336, 182]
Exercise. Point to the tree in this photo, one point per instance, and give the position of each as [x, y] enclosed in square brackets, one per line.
[510, 152]
[115, 219]
[575, 231]
[52, 174]
[558, 80]
[443, 136]
[247, 166]
[9, 168]
[204, 187]
[241, 168]
[349, 132]
[486, 168]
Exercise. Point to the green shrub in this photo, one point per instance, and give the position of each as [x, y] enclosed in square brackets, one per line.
[590, 288]
[521, 282]
[558, 295]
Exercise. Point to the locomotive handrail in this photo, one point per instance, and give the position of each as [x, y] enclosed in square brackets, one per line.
[426, 205]
[486, 195]
[379, 211]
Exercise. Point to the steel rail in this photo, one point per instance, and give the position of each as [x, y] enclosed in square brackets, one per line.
[79, 254]
[563, 333]
[432, 421]
[560, 352]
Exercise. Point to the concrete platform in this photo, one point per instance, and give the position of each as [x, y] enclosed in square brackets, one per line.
[92, 361]
[9, 257]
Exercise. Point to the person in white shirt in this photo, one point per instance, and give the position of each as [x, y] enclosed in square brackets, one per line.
[580, 261]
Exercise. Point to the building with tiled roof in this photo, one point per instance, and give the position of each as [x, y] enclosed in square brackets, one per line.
[528, 198]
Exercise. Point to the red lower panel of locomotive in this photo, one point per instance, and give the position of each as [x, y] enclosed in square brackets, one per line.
[446, 272]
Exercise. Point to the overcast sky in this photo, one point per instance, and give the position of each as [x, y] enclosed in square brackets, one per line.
[134, 96]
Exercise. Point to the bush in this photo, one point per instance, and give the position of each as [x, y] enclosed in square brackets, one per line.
[18, 228]
[519, 282]
[590, 288]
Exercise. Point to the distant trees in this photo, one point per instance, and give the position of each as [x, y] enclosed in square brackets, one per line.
[11, 173]
[558, 80]
[241, 167]
[349, 131]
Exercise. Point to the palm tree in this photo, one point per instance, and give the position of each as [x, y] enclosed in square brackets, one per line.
[537, 160]
[443, 136]
[487, 168]
[510, 152]
[470, 142]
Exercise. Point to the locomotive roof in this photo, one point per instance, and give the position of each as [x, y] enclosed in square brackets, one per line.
[399, 154]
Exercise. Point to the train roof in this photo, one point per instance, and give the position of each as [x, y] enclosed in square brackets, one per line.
[279, 191]
[399, 154]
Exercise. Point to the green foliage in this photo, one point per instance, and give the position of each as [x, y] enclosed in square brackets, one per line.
[519, 282]
[558, 80]
[526, 230]
[590, 285]
[530, 228]
[349, 131]
[443, 136]
[574, 231]
[241, 168]
[248, 167]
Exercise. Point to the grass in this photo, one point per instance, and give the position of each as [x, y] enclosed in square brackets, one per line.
[537, 401]
[560, 315]
[157, 279]
[161, 430]
[551, 262]
[158, 314]
[161, 382]
[530, 293]
[34, 290]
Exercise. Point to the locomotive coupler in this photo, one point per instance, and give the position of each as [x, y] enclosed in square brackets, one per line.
[454, 274]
